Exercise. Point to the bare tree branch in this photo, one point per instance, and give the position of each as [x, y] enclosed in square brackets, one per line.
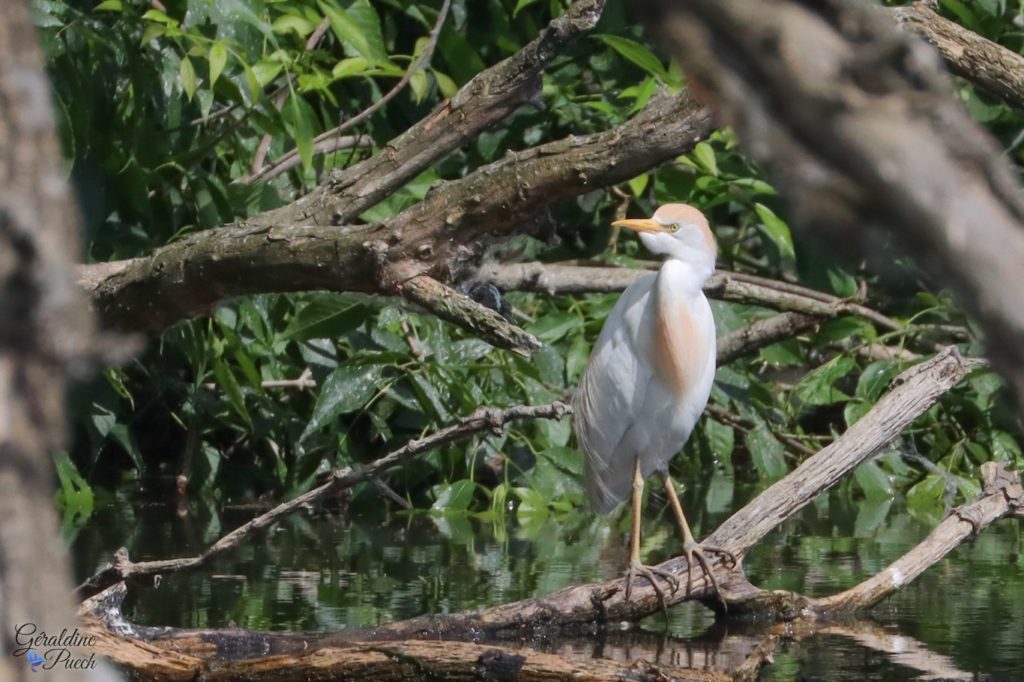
[988, 65]
[289, 161]
[763, 333]
[1002, 496]
[727, 285]
[441, 236]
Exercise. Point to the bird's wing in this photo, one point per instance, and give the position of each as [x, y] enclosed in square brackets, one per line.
[613, 387]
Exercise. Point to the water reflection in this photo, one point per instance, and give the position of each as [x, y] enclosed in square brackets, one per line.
[321, 572]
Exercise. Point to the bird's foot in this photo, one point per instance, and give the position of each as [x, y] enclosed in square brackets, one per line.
[651, 574]
[698, 553]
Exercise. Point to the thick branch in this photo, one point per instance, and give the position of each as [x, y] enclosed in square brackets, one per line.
[483, 419]
[762, 333]
[439, 236]
[988, 65]
[860, 127]
[487, 99]
[559, 278]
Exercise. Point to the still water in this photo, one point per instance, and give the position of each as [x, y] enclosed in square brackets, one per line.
[964, 619]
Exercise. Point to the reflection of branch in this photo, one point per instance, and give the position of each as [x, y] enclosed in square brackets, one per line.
[901, 649]
[483, 419]
[293, 657]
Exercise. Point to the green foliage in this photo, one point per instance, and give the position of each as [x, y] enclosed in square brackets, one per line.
[162, 114]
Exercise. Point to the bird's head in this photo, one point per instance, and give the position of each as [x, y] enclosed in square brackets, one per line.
[678, 231]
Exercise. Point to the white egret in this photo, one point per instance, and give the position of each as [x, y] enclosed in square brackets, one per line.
[649, 377]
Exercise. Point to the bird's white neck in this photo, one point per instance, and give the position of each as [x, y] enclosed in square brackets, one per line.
[688, 274]
[696, 262]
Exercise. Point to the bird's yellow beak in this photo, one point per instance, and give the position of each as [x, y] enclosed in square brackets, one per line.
[640, 225]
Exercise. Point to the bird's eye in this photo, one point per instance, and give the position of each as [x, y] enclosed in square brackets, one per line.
[673, 227]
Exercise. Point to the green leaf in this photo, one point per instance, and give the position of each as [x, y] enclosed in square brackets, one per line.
[302, 129]
[636, 53]
[290, 23]
[766, 452]
[553, 326]
[576, 360]
[705, 155]
[818, 386]
[419, 84]
[187, 74]
[520, 5]
[218, 59]
[777, 232]
[347, 389]
[927, 498]
[123, 437]
[875, 379]
[75, 494]
[445, 84]
[229, 384]
[638, 184]
[721, 438]
[350, 66]
[873, 481]
[326, 316]
[109, 6]
[456, 496]
[531, 503]
[354, 27]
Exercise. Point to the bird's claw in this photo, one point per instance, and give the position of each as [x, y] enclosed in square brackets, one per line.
[696, 552]
[651, 574]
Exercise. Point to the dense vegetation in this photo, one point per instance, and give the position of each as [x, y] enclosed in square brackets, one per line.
[162, 113]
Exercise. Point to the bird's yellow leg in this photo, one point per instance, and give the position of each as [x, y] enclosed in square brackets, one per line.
[694, 552]
[635, 565]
